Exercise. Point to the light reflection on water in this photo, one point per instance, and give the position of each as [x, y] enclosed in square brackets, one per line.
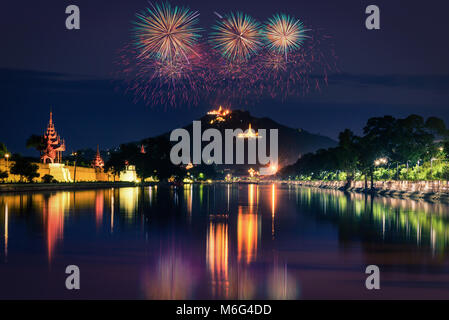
[223, 241]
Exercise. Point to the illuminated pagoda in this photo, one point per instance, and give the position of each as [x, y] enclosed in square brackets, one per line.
[220, 115]
[54, 145]
[98, 161]
[142, 149]
[249, 134]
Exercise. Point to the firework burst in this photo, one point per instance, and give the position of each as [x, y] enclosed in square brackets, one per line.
[165, 32]
[237, 36]
[167, 82]
[306, 70]
[167, 63]
[284, 34]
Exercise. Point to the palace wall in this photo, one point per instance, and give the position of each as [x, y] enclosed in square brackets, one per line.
[62, 173]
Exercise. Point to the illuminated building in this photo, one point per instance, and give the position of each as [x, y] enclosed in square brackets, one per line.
[129, 174]
[248, 134]
[220, 115]
[98, 161]
[53, 144]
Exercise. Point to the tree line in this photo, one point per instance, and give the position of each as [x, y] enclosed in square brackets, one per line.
[411, 148]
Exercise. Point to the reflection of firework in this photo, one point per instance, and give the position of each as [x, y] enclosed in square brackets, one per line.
[284, 34]
[165, 32]
[237, 36]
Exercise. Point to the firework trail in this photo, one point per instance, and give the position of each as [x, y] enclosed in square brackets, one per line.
[166, 32]
[284, 34]
[237, 36]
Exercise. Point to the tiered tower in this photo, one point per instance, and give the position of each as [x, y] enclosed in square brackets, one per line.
[54, 146]
[98, 161]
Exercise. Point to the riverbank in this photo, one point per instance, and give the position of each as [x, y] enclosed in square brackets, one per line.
[31, 187]
[433, 190]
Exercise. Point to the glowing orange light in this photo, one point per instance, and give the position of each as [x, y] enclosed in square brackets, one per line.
[247, 236]
[249, 134]
[217, 257]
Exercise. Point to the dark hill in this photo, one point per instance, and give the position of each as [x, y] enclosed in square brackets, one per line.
[292, 142]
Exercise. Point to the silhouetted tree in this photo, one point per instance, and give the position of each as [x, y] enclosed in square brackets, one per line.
[24, 168]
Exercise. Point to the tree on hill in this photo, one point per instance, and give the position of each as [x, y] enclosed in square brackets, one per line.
[3, 150]
[399, 141]
[24, 168]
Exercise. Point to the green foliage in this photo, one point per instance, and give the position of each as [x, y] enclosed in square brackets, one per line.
[155, 162]
[3, 175]
[48, 178]
[36, 142]
[408, 147]
[3, 150]
[24, 168]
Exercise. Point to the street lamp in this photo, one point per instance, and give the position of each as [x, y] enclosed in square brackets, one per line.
[380, 161]
[431, 162]
[74, 169]
[7, 155]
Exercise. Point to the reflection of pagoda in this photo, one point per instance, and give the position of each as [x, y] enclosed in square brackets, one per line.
[53, 144]
[98, 161]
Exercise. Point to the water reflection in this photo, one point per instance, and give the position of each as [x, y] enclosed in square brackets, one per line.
[281, 284]
[247, 235]
[226, 241]
[273, 207]
[217, 258]
[99, 203]
[6, 230]
[112, 209]
[129, 198]
[420, 222]
[172, 280]
[54, 210]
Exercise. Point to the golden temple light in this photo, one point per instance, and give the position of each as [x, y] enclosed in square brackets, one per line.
[248, 134]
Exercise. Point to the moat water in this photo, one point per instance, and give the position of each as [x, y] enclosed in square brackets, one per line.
[222, 242]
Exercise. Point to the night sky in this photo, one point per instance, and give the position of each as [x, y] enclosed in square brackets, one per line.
[398, 70]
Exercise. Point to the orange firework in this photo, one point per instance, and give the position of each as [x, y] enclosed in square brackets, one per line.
[165, 32]
[237, 36]
[284, 34]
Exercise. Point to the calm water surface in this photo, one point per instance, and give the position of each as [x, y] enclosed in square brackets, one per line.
[222, 242]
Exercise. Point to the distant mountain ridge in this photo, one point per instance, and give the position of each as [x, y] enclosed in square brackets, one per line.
[292, 142]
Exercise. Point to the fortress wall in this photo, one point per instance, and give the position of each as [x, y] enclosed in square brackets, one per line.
[82, 174]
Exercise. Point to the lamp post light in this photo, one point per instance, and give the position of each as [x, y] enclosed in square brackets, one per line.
[7, 155]
[74, 170]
